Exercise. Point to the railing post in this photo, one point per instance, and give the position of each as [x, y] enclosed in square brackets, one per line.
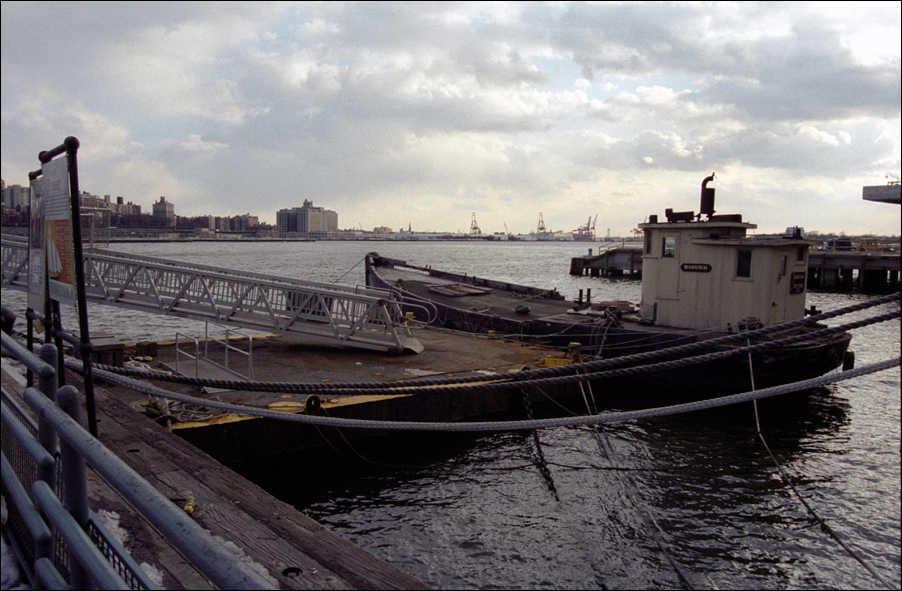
[228, 343]
[250, 356]
[74, 481]
[47, 384]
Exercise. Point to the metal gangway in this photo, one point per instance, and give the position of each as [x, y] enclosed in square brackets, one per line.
[319, 313]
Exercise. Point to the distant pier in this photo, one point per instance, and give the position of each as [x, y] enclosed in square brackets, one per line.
[612, 260]
[865, 270]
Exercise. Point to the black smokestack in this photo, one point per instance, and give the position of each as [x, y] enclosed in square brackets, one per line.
[707, 204]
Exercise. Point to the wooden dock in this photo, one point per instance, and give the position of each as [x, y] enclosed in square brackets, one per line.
[293, 550]
[185, 461]
[612, 260]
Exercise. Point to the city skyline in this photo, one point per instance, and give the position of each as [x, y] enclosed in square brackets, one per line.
[118, 203]
[421, 114]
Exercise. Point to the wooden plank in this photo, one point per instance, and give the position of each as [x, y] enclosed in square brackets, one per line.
[270, 532]
[220, 517]
[296, 551]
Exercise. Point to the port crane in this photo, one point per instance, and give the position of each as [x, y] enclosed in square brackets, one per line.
[586, 232]
[474, 227]
[540, 229]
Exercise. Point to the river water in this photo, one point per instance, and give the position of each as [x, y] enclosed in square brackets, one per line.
[474, 512]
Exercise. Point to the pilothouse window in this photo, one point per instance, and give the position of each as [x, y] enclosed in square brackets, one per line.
[668, 247]
[744, 263]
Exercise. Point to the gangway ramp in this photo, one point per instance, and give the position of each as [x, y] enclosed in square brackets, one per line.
[320, 313]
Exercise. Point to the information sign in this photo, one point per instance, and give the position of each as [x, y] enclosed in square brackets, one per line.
[60, 258]
[37, 278]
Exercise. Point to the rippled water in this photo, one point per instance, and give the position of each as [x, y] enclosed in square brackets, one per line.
[474, 512]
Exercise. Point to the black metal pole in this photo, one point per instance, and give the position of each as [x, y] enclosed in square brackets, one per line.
[70, 147]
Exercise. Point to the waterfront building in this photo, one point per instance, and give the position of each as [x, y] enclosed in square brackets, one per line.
[165, 210]
[122, 208]
[306, 221]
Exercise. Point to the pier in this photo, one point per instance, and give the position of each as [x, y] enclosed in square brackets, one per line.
[865, 267]
[613, 260]
[867, 272]
[244, 523]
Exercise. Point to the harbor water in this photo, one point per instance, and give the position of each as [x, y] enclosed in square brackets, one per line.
[693, 500]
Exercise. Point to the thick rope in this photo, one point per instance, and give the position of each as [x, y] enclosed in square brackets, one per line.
[505, 381]
[785, 477]
[542, 463]
[507, 425]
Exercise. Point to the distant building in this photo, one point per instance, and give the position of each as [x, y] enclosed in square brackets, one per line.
[164, 210]
[245, 223]
[88, 201]
[121, 208]
[306, 221]
[15, 196]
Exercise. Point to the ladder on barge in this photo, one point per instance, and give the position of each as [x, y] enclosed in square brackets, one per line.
[319, 313]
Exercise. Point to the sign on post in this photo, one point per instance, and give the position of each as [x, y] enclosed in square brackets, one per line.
[37, 278]
[60, 258]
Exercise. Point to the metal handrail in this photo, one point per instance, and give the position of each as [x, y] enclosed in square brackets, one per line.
[179, 353]
[352, 316]
[227, 346]
[71, 518]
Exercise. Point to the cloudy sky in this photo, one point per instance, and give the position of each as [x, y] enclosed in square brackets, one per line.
[423, 114]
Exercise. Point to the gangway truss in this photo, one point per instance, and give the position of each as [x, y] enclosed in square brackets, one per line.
[320, 313]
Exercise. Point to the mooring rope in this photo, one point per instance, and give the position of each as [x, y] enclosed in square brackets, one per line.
[594, 370]
[349, 270]
[785, 477]
[609, 417]
[543, 465]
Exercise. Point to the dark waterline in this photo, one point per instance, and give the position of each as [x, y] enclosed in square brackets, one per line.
[475, 512]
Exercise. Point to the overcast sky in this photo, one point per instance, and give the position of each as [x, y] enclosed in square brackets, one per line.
[423, 114]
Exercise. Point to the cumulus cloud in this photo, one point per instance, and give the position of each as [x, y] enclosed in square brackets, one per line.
[429, 111]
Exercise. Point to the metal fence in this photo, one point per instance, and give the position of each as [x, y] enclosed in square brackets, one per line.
[54, 534]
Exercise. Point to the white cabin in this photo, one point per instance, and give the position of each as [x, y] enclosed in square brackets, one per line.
[710, 274]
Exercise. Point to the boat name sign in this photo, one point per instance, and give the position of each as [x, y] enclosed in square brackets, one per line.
[696, 267]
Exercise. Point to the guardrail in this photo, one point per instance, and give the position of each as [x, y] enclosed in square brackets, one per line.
[226, 342]
[179, 353]
[327, 313]
[60, 541]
